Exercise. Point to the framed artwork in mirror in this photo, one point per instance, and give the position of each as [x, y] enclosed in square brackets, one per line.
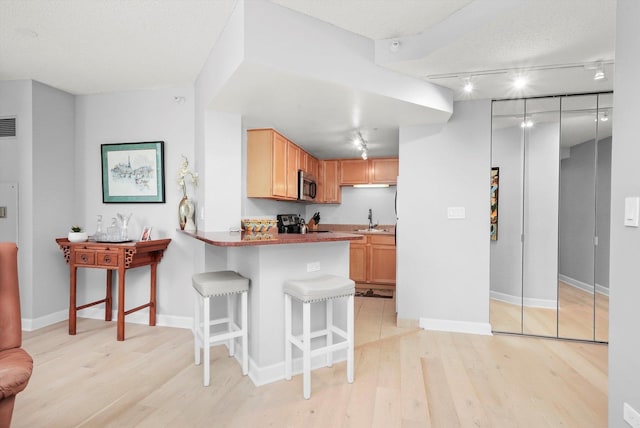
[495, 181]
[133, 172]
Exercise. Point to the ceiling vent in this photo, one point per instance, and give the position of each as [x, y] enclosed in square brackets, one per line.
[7, 127]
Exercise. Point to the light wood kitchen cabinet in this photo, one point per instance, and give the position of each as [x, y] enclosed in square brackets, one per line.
[354, 171]
[373, 260]
[382, 259]
[308, 163]
[293, 154]
[328, 182]
[358, 260]
[370, 171]
[269, 167]
[383, 171]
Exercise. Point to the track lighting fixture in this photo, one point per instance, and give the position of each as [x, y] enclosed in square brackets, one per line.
[360, 142]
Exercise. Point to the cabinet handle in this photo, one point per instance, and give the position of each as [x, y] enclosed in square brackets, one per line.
[107, 259]
[84, 258]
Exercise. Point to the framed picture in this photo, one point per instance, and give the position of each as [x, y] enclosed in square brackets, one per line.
[146, 234]
[133, 172]
[495, 184]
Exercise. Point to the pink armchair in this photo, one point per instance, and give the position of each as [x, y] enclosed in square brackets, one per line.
[15, 364]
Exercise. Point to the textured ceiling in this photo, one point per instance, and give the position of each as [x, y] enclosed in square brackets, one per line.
[94, 46]
[91, 46]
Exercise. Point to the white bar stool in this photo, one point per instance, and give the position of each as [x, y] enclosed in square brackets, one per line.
[325, 288]
[213, 284]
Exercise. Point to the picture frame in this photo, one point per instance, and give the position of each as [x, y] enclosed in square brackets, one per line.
[133, 172]
[146, 234]
[495, 187]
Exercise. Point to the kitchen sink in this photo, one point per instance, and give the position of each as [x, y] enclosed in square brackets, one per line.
[371, 230]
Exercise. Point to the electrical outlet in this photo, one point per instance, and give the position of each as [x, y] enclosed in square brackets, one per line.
[313, 267]
[631, 416]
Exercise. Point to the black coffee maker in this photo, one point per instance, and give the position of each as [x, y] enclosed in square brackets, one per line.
[289, 223]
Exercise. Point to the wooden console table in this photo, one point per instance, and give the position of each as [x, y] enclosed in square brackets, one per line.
[112, 257]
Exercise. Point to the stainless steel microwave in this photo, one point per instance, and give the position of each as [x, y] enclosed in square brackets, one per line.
[306, 186]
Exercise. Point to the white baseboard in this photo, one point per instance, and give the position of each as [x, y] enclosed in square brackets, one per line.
[528, 302]
[275, 372]
[601, 289]
[141, 317]
[31, 324]
[456, 326]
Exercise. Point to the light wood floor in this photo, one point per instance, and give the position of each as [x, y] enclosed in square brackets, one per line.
[403, 378]
[574, 320]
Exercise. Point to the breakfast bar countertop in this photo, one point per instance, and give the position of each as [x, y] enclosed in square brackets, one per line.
[242, 239]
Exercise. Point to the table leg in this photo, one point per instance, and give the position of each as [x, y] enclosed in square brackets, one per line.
[108, 306]
[121, 272]
[72, 299]
[152, 299]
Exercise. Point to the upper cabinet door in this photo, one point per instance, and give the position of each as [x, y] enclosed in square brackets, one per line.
[354, 171]
[383, 171]
[330, 182]
[293, 153]
[279, 183]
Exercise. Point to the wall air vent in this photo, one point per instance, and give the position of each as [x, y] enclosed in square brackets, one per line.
[7, 127]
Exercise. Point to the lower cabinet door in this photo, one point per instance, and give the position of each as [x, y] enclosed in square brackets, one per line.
[357, 262]
[382, 266]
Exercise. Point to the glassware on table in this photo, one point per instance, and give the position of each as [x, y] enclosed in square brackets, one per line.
[124, 226]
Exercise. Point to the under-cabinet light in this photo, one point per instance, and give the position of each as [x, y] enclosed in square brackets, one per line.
[370, 185]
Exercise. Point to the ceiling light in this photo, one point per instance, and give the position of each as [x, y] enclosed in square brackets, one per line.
[605, 117]
[360, 142]
[468, 85]
[520, 82]
[526, 124]
[599, 74]
[394, 46]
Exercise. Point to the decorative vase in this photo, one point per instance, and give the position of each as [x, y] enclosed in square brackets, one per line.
[190, 225]
[183, 210]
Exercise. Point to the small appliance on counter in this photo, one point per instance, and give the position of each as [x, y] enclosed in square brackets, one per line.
[289, 223]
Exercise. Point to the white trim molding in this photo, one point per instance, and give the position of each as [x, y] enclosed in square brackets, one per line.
[141, 317]
[456, 326]
[601, 289]
[528, 302]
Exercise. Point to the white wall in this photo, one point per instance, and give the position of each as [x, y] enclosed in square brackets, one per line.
[15, 100]
[624, 319]
[443, 265]
[355, 206]
[41, 160]
[139, 116]
[55, 200]
[15, 166]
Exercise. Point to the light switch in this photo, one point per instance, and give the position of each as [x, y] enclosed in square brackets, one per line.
[631, 211]
[3, 212]
[456, 213]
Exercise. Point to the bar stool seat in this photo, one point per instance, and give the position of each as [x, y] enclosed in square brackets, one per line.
[324, 288]
[228, 284]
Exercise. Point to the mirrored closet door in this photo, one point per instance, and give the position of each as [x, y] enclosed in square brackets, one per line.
[551, 169]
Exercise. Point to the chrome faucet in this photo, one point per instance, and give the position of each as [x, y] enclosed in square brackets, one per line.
[371, 225]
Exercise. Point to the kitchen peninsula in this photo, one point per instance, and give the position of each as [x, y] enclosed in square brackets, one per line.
[268, 263]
